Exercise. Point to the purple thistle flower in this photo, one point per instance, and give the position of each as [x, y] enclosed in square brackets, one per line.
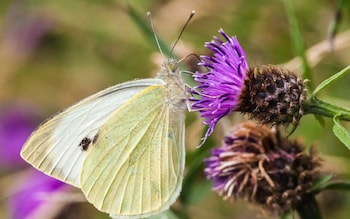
[219, 89]
[34, 193]
[269, 94]
[17, 121]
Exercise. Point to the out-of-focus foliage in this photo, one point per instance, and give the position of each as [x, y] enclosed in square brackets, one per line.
[55, 52]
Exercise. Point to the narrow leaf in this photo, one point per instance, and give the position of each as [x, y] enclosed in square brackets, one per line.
[298, 40]
[337, 186]
[322, 183]
[341, 132]
[330, 80]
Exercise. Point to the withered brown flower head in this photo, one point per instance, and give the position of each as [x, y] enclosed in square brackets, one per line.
[255, 163]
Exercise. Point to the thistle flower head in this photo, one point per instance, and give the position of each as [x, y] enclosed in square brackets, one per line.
[272, 95]
[269, 94]
[219, 89]
[256, 164]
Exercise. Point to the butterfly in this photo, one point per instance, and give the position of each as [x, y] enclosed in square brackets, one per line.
[123, 146]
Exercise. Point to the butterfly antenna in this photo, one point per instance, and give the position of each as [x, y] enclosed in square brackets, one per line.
[154, 33]
[183, 29]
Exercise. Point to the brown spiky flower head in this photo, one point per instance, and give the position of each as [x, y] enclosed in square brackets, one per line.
[268, 94]
[272, 95]
[255, 163]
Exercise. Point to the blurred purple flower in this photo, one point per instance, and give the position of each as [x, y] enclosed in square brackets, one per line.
[35, 191]
[17, 121]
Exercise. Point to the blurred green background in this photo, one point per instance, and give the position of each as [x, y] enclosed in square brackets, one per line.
[55, 52]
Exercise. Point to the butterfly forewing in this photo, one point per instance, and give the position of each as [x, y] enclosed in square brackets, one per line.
[135, 165]
[58, 146]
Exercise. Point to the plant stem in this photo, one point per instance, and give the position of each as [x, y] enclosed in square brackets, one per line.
[323, 108]
[309, 208]
[298, 40]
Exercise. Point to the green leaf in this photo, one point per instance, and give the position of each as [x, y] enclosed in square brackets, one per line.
[298, 40]
[341, 132]
[330, 80]
[337, 186]
[325, 183]
[321, 183]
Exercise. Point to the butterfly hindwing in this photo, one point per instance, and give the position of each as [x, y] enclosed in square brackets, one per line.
[58, 146]
[134, 168]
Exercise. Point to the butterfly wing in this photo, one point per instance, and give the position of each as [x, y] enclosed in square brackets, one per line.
[58, 146]
[134, 168]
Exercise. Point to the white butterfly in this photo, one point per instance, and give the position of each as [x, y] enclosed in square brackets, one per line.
[123, 146]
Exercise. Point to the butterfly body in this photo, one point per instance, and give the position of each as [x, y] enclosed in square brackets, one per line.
[123, 146]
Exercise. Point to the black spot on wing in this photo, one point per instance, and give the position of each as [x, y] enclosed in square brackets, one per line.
[84, 144]
[95, 138]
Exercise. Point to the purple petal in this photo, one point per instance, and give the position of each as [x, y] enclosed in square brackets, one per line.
[219, 89]
[31, 195]
[17, 121]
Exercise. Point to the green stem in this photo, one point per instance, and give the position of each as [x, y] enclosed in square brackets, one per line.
[308, 208]
[298, 40]
[323, 108]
